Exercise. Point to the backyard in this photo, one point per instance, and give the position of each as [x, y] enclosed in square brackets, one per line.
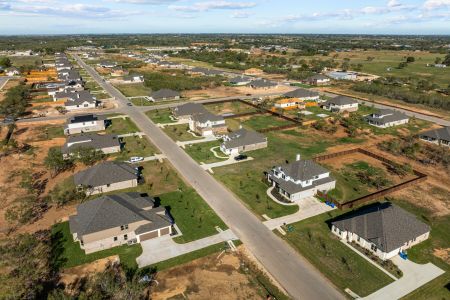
[346, 269]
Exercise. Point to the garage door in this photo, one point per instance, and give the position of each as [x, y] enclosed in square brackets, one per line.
[165, 231]
[148, 236]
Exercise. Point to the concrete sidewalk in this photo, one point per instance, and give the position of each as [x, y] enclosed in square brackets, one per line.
[414, 276]
[139, 134]
[308, 207]
[160, 249]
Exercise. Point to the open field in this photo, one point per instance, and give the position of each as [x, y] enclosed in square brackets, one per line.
[134, 89]
[346, 269]
[256, 122]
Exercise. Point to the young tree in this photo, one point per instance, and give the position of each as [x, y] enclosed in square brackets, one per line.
[410, 59]
[5, 62]
[55, 161]
[88, 156]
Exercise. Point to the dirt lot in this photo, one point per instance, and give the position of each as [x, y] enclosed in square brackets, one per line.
[211, 277]
[217, 92]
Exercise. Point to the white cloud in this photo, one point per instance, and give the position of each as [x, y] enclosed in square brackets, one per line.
[213, 5]
[240, 15]
[147, 2]
[434, 4]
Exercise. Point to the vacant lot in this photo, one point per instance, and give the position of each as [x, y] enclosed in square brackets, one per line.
[256, 122]
[121, 126]
[234, 107]
[134, 89]
[346, 269]
[160, 116]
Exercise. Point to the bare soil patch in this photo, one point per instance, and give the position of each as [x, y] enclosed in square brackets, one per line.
[218, 92]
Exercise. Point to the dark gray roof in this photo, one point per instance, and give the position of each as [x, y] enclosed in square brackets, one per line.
[317, 77]
[206, 116]
[104, 173]
[78, 98]
[293, 188]
[387, 116]
[302, 169]
[442, 134]
[164, 94]
[262, 83]
[112, 211]
[84, 118]
[387, 226]
[188, 109]
[90, 140]
[244, 137]
[341, 100]
[301, 93]
[239, 79]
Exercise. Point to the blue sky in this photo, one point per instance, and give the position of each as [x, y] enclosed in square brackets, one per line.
[224, 16]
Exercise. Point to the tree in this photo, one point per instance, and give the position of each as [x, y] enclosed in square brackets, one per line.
[5, 62]
[55, 161]
[410, 59]
[438, 60]
[446, 60]
[88, 156]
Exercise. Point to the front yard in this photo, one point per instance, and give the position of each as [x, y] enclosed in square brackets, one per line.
[121, 126]
[180, 133]
[346, 269]
[135, 146]
[201, 152]
[160, 116]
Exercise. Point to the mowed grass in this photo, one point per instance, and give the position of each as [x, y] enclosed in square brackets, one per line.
[179, 133]
[135, 146]
[192, 214]
[346, 269]
[134, 89]
[160, 116]
[263, 121]
[201, 152]
[66, 253]
[121, 126]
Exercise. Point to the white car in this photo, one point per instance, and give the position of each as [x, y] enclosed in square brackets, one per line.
[136, 159]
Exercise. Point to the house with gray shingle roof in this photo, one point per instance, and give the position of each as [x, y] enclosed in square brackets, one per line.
[185, 111]
[300, 179]
[242, 140]
[317, 79]
[106, 177]
[340, 104]
[107, 143]
[207, 124]
[302, 94]
[262, 84]
[118, 219]
[439, 136]
[84, 123]
[80, 100]
[385, 229]
[384, 118]
[240, 80]
[164, 94]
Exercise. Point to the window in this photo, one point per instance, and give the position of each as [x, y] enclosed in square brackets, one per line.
[125, 237]
[373, 247]
[123, 227]
[81, 242]
[358, 239]
[108, 185]
[115, 239]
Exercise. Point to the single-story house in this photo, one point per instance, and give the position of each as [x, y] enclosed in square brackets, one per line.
[341, 104]
[118, 219]
[80, 100]
[107, 143]
[300, 179]
[84, 123]
[384, 229]
[164, 94]
[439, 136]
[169, 65]
[106, 177]
[107, 64]
[289, 103]
[317, 79]
[185, 111]
[240, 80]
[341, 75]
[384, 118]
[207, 124]
[13, 71]
[133, 79]
[302, 94]
[262, 84]
[242, 140]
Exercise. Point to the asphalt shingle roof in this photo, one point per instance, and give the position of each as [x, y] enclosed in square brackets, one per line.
[206, 116]
[90, 140]
[164, 93]
[438, 134]
[244, 137]
[341, 100]
[387, 116]
[302, 169]
[386, 225]
[188, 109]
[104, 173]
[301, 93]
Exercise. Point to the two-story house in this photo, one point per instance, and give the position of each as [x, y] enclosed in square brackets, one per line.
[118, 219]
[341, 104]
[84, 123]
[300, 179]
[207, 124]
[384, 118]
[80, 100]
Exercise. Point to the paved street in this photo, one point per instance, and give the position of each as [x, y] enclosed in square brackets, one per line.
[292, 271]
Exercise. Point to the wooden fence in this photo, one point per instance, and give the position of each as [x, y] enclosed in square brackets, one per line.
[420, 177]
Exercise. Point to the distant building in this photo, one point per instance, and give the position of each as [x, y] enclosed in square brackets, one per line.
[341, 75]
[185, 111]
[302, 94]
[80, 100]
[289, 103]
[107, 64]
[341, 104]
[384, 118]
[164, 94]
[240, 80]
[317, 79]
[384, 229]
[133, 79]
[84, 123]
[262, 84]
[13, 71]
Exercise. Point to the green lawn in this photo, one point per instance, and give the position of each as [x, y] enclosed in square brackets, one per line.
[121, 126]
[179, 133]
[346, 269]
[134, 89]
[192, 214]
[135, 146]
[201, 152]
[234, 107]
[66, 253]
[264, 121]
[141, 101]
[49, 132]
[160, 116]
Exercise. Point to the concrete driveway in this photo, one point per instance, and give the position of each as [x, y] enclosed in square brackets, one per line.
[160, 249]
[414, 276]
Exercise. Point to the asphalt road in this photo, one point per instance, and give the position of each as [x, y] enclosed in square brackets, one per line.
[297, 276]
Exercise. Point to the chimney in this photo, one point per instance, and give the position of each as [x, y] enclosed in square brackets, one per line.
[297, 158]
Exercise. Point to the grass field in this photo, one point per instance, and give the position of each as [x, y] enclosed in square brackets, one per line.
[66, 253]
[133, 90]
[179, 133]
[121, 126]
[49, 132]
[235, 107]
[201, 152]
[18, 61]
[256, 122]
[346, 269]
[160, 116]
[135, 146]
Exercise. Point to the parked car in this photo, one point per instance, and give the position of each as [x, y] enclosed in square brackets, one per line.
[136, 159]
[130, 104]
[240, 157]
